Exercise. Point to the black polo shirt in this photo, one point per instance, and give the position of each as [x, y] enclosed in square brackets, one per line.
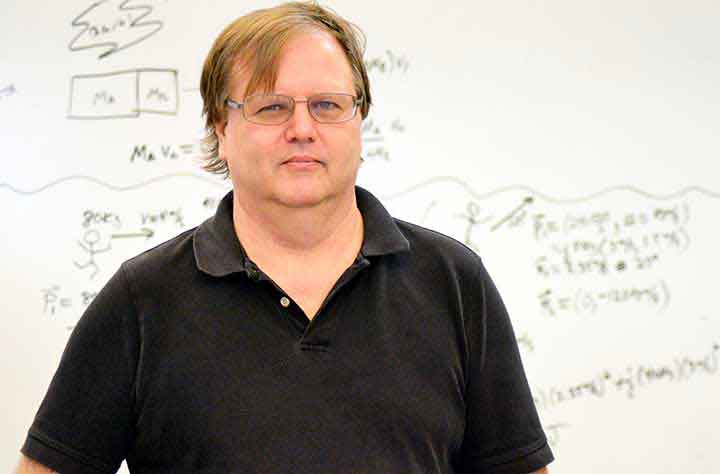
[191, 360]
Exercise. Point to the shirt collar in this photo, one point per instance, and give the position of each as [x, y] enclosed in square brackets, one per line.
[218, 251]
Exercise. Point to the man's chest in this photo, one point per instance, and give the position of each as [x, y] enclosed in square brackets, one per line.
[372, 382]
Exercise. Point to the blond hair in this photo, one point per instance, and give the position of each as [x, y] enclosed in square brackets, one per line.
[255, 41]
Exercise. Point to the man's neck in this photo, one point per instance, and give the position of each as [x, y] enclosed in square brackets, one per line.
[326, 231]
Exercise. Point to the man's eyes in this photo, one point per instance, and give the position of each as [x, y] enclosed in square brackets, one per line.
[321, 105]
[326, 105]
[273, 108]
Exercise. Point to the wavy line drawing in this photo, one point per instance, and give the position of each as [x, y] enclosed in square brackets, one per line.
[534, 192]
[440, 179]
[112, 187]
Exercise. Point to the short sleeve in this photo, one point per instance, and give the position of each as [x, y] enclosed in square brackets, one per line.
[85, 422]
[503, 433]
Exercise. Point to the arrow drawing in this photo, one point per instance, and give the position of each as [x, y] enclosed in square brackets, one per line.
[144, 232]
[527, 201]
[113, 25]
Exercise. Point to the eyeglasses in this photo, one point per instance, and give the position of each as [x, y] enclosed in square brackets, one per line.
[274, 109]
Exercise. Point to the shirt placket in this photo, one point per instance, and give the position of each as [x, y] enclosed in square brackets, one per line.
[314, 334]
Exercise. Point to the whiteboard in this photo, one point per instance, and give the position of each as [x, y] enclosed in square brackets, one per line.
[573, 145]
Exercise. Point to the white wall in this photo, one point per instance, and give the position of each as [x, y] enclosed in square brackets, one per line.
[572, 144]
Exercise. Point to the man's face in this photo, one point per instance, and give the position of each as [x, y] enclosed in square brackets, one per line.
[301, 162]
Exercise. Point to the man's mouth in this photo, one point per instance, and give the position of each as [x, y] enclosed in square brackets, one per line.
[302, 160]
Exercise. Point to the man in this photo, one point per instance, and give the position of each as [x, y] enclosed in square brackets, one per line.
[302, 329]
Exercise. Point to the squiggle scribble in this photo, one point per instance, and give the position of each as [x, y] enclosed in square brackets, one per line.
[150, 27]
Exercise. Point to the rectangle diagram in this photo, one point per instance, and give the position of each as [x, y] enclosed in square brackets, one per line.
[124, 94]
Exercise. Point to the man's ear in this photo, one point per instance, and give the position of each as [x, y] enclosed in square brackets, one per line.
[220, 134]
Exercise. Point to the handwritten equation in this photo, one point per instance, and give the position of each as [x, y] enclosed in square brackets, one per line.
[153, 153]
[635, 377]
[578, 253]
[58, 303]
[610, 242]
[655, 295]
[374, 136]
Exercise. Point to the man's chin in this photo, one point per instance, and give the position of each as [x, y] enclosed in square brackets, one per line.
[301, 197]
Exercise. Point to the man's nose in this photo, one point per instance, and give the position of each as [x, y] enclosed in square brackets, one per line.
[301, 126]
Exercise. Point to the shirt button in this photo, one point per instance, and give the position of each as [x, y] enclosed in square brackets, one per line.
[285, 301]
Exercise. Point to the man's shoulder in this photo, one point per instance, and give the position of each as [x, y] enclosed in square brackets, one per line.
[431, 245]
[164, 259]
[441, 266]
